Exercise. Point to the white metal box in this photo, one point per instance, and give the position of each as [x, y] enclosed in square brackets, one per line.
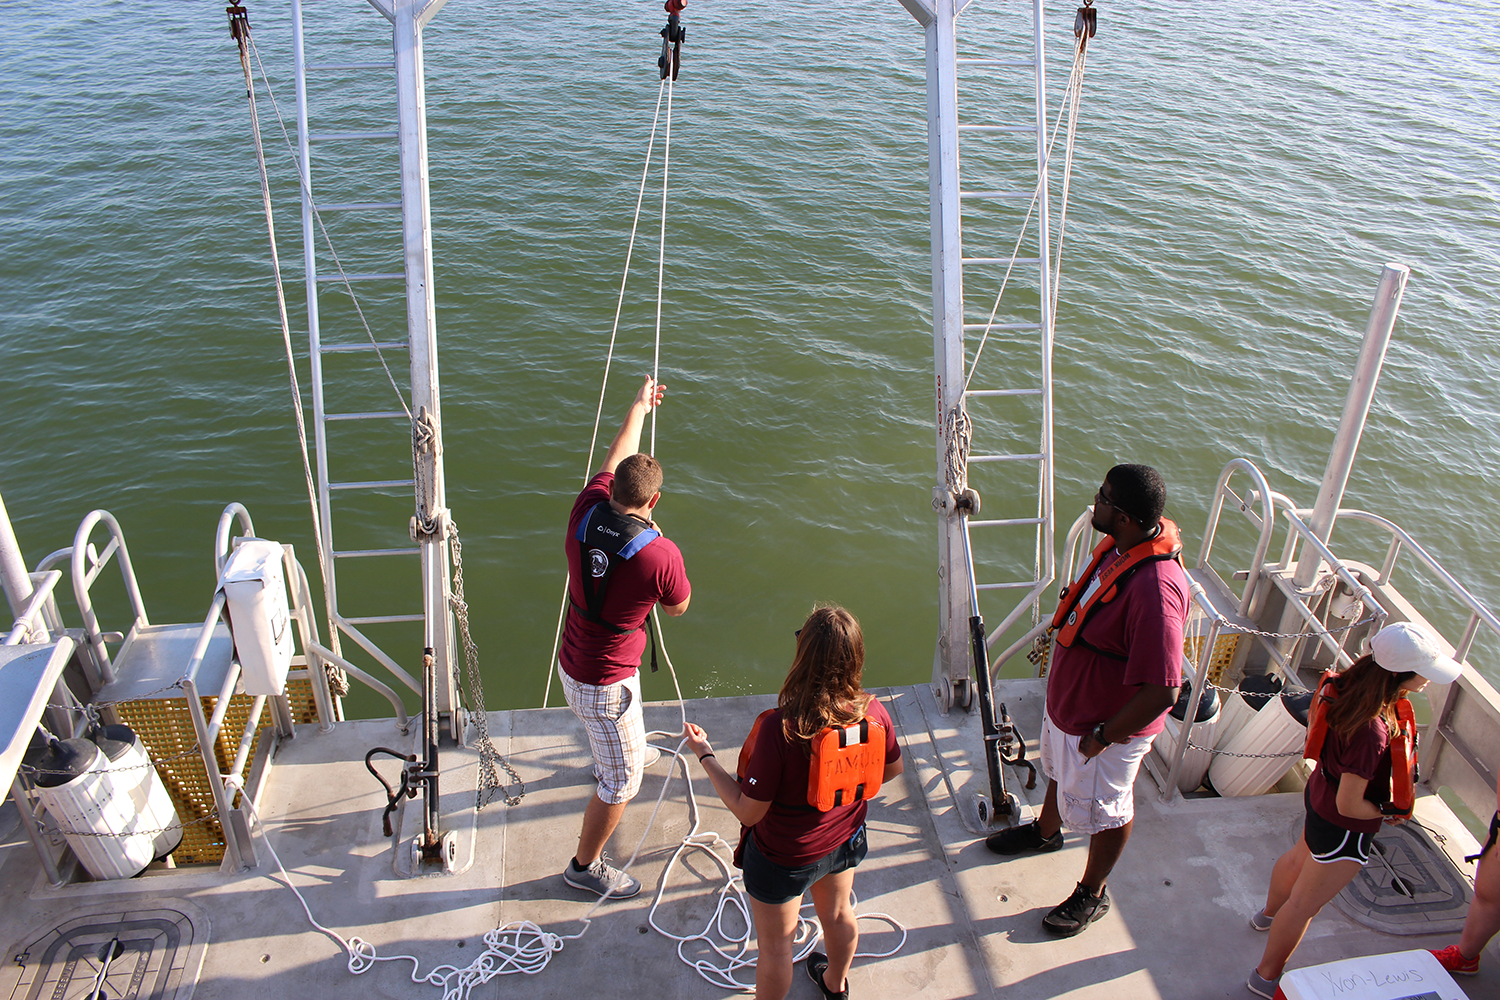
[254, 588]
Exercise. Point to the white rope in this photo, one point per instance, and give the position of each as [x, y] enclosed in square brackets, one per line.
[661, 258]
[1075, 88]
[522, 946]
[609, 355]
[286, 330]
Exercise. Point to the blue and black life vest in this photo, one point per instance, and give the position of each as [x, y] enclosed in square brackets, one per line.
[607, 538]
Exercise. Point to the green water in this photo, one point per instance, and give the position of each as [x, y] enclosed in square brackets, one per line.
[1241, 174]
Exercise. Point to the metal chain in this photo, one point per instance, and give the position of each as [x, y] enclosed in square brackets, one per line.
[28, 770]
[1229, 626]
[489, 778]
[1256, 756]
[59, 831]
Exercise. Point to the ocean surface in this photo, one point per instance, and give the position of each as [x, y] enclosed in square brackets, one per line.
[1240, 175]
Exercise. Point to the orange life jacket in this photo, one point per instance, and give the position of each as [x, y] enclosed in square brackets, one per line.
[1402, 793]
[848, 762]
[1068, 620]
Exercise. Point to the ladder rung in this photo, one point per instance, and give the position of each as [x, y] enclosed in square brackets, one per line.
[366, 346]
[1008, 63]
[1005, 586]
[1008, 522]
[1001, 260]
[1003, 392]
[373, 415]
[995, 195]
[337, 136]
[367, 553]
[369, 276]
[377, 484]
[383, 619]
[1015, 129]
[1006, 458]
[359, 206]
[380, 64]
[1002, 326]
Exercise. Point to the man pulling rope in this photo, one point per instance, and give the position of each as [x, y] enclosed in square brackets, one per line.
[620, 566]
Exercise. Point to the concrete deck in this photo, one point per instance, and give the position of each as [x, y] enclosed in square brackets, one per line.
[1193, 873]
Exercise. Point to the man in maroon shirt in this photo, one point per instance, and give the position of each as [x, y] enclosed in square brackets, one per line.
[619, 567]
[1108, 688]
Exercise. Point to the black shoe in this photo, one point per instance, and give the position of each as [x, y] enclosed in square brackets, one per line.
[817, 964]
[1027, 837]
[1077, 912]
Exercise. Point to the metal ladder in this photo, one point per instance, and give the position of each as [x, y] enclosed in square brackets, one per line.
[329, 422]
[956, 321]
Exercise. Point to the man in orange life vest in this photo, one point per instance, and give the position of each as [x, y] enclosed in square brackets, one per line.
[619, 567]
[1116, 668]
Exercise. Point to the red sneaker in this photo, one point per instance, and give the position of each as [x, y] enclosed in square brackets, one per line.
[1453, 960]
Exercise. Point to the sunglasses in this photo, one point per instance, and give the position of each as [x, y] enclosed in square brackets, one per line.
[1101, 498]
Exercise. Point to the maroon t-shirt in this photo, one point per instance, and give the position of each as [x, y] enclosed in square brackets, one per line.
[591, 653]
[1144, 624]
[1366, 755]
[793, 833]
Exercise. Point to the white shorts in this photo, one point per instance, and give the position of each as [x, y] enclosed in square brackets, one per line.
[611, 714]
[1093, 794]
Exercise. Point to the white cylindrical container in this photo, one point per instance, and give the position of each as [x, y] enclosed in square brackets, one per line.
[129, 761]
[1206, 721]
[1232, 718]
[96, 813]
[1195, 762]
[1271, 731]
[255, 590]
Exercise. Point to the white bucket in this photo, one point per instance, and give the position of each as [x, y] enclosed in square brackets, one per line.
[1273, 730]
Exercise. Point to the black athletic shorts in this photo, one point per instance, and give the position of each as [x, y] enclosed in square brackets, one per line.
[1330, 842]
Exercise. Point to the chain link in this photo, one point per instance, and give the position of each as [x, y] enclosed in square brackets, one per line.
[30, 771]
[1255, 756]
[60, 831]
[1228, 626]
[489, 757]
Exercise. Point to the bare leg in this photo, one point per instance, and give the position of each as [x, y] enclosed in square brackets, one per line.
[1484, 913]
[831, 896]
[1050, 821]
[1284, 875]
[775, 927]
[1105, 848]
[599, 821]
[1316, 884]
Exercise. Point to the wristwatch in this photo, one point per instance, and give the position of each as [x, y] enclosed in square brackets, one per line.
[1098, 734]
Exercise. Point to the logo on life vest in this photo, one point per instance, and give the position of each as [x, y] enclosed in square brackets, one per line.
[598, 563]
[1072, 617]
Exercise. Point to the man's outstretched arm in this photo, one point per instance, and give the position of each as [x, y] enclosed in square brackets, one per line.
[628, 441]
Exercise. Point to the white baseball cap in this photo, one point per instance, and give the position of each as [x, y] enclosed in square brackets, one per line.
[1405, 646]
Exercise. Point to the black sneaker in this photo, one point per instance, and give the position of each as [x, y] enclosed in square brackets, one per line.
[1027, 837]
[817, 964]
[1077, 912]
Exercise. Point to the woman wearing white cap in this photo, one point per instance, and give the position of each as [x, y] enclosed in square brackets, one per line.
[1348, 796]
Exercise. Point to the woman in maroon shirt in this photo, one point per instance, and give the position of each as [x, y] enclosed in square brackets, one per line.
[790, 846]
[1347, 789]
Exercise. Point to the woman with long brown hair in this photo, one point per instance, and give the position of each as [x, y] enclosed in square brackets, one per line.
[790, 845]
[1350, 792]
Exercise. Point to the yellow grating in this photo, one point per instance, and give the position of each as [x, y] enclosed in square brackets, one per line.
[1219, 662]
[166, 728]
